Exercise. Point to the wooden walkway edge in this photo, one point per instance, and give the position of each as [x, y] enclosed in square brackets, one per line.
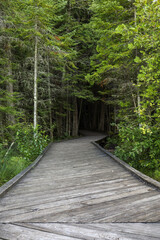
[77, 191]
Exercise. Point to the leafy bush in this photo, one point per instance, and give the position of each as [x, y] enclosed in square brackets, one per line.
[140, 147]
[111, 142]
[11, 163]
[30, 142]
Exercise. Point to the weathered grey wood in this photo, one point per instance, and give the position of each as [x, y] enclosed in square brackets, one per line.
[50, 231]
[76, 193]
[78, 185]
[65, 205]
[13, 232]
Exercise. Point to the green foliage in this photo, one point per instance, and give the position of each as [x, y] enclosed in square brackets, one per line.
[126, 66]
[140, 147]
[30, 142]
[147, 43]
[11, 166]
[111, 142]
[113, 62]
[11, 163]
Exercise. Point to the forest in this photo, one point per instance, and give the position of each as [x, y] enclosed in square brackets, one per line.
[67, 65]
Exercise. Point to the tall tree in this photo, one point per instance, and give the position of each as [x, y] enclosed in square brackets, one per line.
[37, 28]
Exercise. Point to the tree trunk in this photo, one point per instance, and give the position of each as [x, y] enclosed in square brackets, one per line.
[1, 129]
[95, 117]
[67, 120]
[115, 118]
[107, 120]
[68, 116]
[69, 123]
[50, 103]
[75, 118]
[102, 117]
[9, 86]
[35, 79]
[59, 121]
[139, 103]
[80, 112]
[10, 117]
[138, 93]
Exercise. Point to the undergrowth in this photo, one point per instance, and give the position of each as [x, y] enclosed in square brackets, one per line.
[139, 147]
[16, 156]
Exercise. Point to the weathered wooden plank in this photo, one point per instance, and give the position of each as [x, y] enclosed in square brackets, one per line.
[89, 232]
[65, 204]
[93, 213]
[144, 230]
[118, 183]
[82, 185]
[13, 232]
[128, 213]
[85, 193]
[30, 196]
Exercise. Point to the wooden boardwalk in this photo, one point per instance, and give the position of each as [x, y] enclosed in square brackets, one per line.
[77, 192]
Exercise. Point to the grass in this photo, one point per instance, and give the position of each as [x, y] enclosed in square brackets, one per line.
[11, 164]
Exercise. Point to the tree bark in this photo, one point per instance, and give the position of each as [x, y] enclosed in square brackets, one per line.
[68, 116]
[75, 118]
[95, 117]
[50, 102]
[102, 117]
[59, 121]
[9, 86]
[80, 112]
[69, 123]
[35, 79]
[138, 93]
[1, 129]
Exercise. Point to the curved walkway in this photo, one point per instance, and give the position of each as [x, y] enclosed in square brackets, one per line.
[77, 192]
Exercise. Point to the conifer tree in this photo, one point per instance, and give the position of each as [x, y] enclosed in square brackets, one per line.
[36, 29]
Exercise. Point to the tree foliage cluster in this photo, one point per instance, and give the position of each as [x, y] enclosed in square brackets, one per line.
[45, 51]
[127, 65]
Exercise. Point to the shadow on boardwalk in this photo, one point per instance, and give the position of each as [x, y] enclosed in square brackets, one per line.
[77, 192]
